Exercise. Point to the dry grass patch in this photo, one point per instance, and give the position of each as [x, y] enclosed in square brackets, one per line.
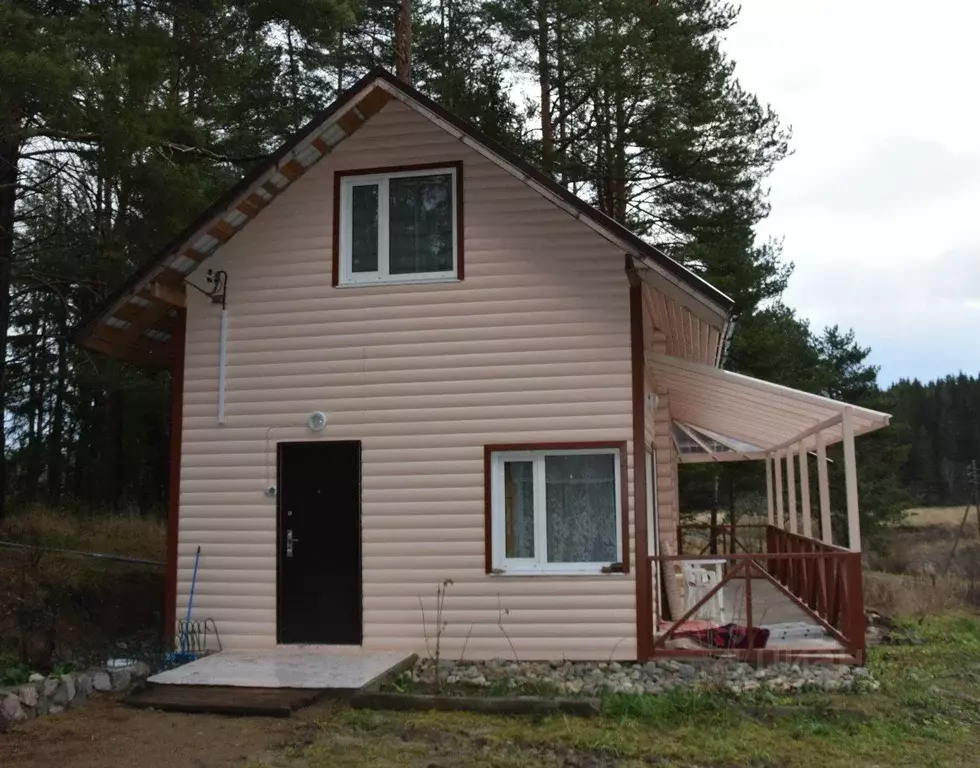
[57, 606]
[892, 594]
[111, 534]
[944, 516]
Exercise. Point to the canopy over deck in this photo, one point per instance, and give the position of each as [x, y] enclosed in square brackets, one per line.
[723, 416]
[732, 417]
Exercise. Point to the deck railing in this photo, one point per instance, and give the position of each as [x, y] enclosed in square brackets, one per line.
[695, 538]
[822, 580]
[825, 578]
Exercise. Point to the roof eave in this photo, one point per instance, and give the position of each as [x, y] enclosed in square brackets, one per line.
[694, 287]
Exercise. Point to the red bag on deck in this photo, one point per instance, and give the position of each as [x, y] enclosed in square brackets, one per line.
[729, 636]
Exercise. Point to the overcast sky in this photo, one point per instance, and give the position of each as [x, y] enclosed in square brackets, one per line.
[880, 204]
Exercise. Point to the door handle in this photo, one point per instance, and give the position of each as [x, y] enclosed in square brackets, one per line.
[290, 540]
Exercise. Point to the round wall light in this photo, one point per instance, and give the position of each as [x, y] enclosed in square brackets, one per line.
[316, 421]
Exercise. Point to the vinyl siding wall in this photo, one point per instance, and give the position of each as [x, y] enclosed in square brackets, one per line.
[533, 346]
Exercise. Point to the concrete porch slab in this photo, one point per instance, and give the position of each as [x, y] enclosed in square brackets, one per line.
[322, 668]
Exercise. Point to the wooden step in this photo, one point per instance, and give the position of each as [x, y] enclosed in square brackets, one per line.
[222, 700]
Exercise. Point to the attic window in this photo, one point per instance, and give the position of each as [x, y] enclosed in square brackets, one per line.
[399, 226]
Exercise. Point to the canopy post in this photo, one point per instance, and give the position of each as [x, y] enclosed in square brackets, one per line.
[826, 531]
[778, 462]
[791, 489]
[769, 503]
[805, 493]
[850, 479]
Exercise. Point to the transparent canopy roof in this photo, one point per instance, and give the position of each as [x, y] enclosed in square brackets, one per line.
[698, 440]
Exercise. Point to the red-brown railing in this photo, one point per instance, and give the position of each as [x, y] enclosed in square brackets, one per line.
[728, 537]
[822, 580]
[829, 586]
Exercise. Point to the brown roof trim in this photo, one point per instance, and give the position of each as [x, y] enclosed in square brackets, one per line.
[621, 232]
[223, 202]
[173, 501]
[642, 248]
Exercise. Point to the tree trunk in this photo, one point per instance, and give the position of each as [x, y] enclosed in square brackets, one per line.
[293, 80]
[544, 80]
[9, 157]
[117, 423]
[83, 444]
[618, 186]
[560, 93]
[403, 42]
[55, 438]
[34, 455]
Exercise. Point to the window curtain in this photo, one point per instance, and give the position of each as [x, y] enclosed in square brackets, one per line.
[580, 492]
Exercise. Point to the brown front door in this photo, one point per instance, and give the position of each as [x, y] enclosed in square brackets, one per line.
[319, 543]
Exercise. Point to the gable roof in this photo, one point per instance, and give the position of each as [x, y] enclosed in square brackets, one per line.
[137, 320]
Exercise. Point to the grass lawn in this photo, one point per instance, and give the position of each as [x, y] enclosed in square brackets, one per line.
[927, 713]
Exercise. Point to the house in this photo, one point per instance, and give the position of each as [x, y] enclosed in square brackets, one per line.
[404, 358]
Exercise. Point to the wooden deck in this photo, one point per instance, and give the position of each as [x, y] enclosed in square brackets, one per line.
[805, 592]
[222, 700]
[770, 608]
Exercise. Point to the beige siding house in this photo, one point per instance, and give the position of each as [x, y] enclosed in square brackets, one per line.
[418, 366]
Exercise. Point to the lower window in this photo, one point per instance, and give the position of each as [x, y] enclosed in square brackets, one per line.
[556, 511]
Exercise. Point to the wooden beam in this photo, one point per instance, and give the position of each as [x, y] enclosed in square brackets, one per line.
[805, 510]
[851, 483]
[321, 146]
[371, 104]
[769, 502]
[129, 312]
[120, 338]
[814, 430]
[727, 456]
[791, 489]
[271, 188]
[221, 231]
[256, 201]
[293, 170]
[778, 464]
[176, 433]
[168, 295]
[696, 439]
[826, 530]
[248, 208]
[170, 277]
[140, 355]
[145, 318]
[110, 335]
[350, 121]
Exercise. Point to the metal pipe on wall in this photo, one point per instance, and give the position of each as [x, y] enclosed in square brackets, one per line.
[222, 360]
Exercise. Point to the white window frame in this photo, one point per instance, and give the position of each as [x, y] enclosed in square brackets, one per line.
[538, 565]
[347, 277]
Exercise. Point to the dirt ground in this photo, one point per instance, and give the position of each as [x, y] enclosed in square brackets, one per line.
[105, 733]
[926, 713]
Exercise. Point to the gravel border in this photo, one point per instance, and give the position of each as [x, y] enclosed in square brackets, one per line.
[653, 677]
